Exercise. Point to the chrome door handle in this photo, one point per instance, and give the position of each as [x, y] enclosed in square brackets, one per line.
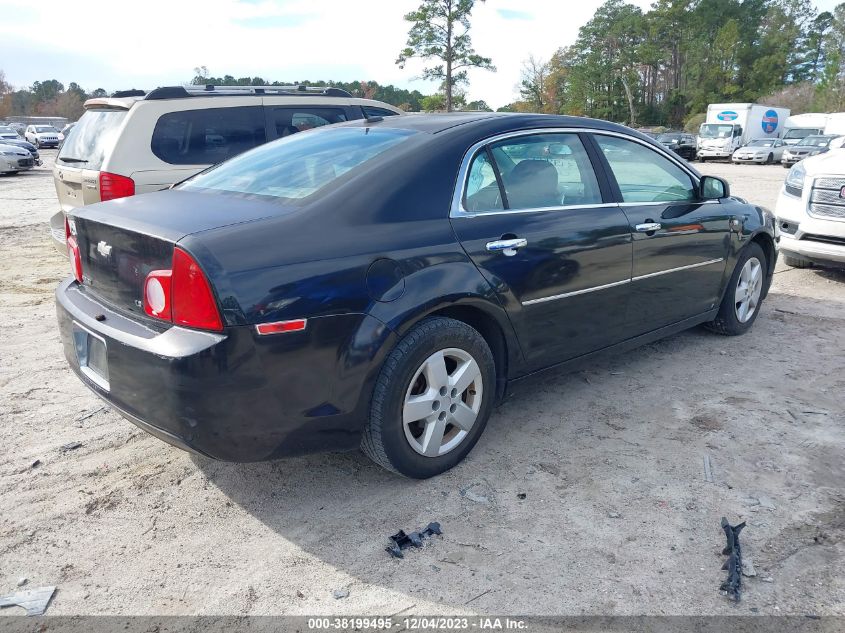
[648, 227]
[507, 247]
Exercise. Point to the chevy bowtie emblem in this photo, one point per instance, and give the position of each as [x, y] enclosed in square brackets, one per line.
[104, 249]
[842, 192]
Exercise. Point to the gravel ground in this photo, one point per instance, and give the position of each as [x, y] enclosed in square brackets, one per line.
[586, 494]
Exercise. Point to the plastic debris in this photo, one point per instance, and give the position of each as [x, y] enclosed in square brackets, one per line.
[35, 601]
[70, 446]
[401, 540]
[732, 587]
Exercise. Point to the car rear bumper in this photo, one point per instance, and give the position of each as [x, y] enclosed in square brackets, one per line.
[57, 232]
[234, 396]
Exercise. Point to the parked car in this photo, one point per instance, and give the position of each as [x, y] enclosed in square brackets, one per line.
[8, 133]
[136, 144]
[14, 159]
[811, 210]
[19, 142]
[682, 144]
[42, 135]
[810, 146]
[760, 150]
[382, 282]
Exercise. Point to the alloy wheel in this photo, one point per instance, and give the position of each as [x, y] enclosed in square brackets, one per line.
[749, 286]
[442, 402]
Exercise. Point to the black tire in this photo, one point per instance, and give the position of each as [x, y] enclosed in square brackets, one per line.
[384, 440]
[726, 322]
[770, 159]
[796, 262]
[702, 159]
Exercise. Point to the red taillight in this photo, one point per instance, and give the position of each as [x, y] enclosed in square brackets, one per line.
[182, 295]
[113, 186]
[193, 301]
[73, 253]
[157, 297]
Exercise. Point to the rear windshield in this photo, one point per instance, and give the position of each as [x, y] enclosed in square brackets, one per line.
[299, 165]
[94, 135]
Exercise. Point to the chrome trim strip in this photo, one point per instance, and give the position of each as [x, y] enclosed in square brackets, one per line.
[458, 211]
[474, 214]
[576, 292]
[620, 283]
[679, 268]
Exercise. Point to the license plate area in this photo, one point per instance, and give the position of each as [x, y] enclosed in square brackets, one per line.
[91, 352]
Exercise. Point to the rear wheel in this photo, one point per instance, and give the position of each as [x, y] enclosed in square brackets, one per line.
[741, 303]
[770, 159]
[432, 399]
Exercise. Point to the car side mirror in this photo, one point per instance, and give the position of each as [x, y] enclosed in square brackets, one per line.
[713, 188]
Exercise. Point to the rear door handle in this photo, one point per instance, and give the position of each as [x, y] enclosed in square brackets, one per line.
[507, 247]
[648, 227]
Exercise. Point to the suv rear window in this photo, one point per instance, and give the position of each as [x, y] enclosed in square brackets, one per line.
[93, 137]
[300, 165]
[207, 137]
[289, 121]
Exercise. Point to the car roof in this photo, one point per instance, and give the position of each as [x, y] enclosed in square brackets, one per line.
[492, 122]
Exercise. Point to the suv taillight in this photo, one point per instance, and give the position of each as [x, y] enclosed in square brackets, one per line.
[73, 253]
[182, 295]
[113, 186]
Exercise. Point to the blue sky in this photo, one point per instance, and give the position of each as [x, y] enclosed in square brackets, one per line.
[102, 45]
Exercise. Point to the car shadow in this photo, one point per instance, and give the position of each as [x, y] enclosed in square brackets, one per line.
[504, 511]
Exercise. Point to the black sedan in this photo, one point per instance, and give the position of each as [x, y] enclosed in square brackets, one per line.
[682, 144]
[381, 283]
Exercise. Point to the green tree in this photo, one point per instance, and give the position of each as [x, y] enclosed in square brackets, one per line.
[535, 84]
[440, 31]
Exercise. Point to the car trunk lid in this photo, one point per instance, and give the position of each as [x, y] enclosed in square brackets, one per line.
[123, 240]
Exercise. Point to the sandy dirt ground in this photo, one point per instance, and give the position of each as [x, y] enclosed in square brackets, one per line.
[586, 494]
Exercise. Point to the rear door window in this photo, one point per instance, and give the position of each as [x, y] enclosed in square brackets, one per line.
[290, 120]
[93, 138]
[538, 171]
[207, 137]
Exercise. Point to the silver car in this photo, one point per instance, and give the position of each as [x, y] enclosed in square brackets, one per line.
[760, 150]
[810, 146]
[14, 159]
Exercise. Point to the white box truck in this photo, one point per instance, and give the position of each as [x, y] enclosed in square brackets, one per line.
[835, 124]
[729, 126]
[800, 126]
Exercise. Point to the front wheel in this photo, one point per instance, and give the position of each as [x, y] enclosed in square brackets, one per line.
[744, 294]
[432, 399]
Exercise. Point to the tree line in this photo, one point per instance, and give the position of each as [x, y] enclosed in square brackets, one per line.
[659, 67]
[663, 66]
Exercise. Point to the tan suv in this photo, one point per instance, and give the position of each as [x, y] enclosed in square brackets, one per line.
[134, 143]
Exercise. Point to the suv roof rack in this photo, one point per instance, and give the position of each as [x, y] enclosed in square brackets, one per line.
[181, 92]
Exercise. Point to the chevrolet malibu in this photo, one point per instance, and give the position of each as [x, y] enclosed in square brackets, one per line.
[382, 283]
